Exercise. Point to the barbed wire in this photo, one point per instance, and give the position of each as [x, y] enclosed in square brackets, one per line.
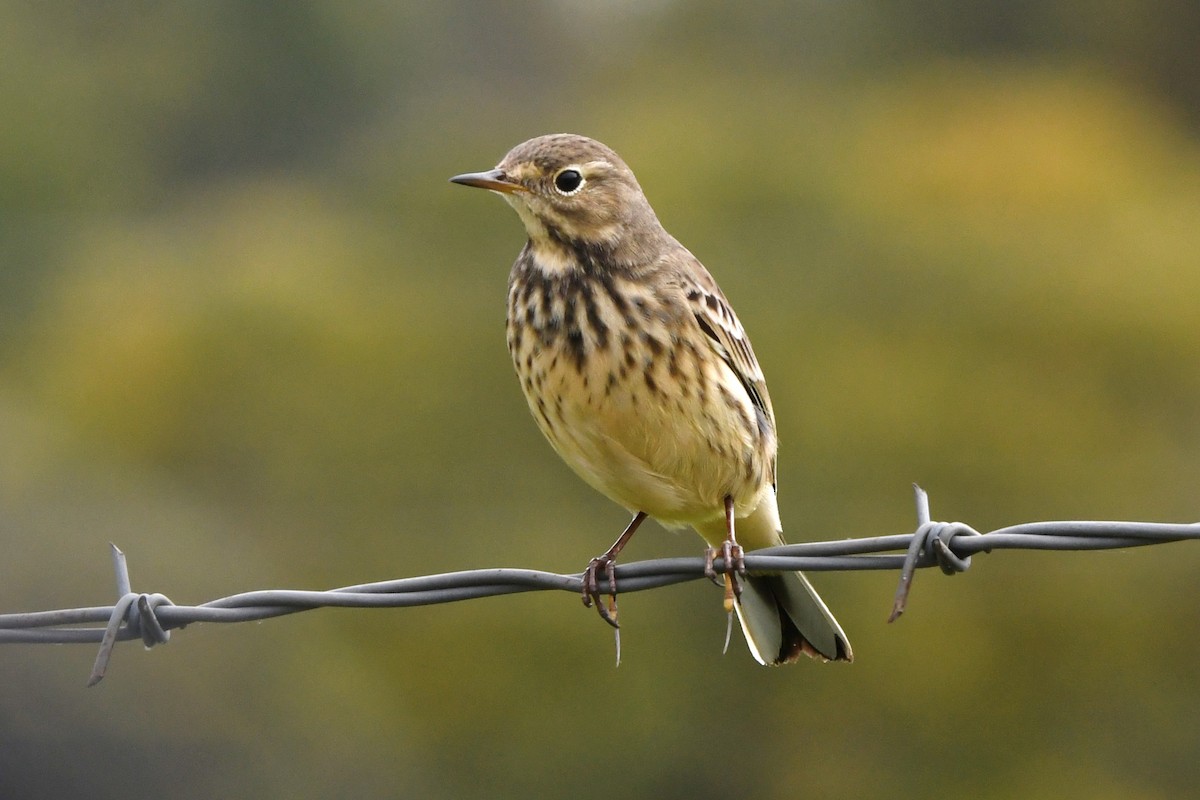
[947, 545]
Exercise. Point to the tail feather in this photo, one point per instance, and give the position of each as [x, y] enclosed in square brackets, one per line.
[783, 617]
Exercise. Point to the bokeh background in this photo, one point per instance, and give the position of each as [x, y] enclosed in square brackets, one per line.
[249, 333]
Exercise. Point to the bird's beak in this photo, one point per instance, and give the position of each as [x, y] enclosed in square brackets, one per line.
[493, 179]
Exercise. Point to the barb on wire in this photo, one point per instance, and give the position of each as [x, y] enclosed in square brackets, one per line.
[948, 545]
[932, 540]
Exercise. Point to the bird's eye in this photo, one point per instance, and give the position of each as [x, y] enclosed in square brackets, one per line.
[569, 181]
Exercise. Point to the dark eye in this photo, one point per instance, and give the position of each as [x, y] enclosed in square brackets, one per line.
[568, 181]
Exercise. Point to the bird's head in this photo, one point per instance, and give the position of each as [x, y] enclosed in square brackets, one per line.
[571, 190]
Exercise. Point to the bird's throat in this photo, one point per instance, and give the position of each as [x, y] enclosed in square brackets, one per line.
[551, 258]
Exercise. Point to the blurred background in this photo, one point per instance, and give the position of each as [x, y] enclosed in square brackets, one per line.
[249, 333]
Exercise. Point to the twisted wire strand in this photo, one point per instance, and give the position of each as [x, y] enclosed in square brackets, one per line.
[947, 545]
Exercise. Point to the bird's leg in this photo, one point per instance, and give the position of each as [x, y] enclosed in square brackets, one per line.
[733, 557]
[607, 561]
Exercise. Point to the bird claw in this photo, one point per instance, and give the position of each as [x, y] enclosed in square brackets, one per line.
[591, 588]
[607, 562]
[734, 559]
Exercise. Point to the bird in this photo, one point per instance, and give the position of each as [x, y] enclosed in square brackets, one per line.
[641, 376]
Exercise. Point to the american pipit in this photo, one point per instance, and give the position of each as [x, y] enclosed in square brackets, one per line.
[641, 376]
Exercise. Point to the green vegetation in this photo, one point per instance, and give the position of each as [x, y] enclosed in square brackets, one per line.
[250, 333]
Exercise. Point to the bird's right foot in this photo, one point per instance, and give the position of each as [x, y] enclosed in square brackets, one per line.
[606, 563]
[591, 587]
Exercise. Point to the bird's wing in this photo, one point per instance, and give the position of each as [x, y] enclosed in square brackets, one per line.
[728, 338]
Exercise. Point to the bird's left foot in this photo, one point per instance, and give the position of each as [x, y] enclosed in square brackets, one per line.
[734, 560]
[732, 556]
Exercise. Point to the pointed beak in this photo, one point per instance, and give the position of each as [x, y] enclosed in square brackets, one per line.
[493, 179]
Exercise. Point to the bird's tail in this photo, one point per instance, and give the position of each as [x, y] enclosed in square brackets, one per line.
[783, 617]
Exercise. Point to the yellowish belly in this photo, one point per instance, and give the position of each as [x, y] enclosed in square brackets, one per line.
[643, 442]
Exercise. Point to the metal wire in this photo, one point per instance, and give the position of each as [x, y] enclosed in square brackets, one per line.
[947, 545]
